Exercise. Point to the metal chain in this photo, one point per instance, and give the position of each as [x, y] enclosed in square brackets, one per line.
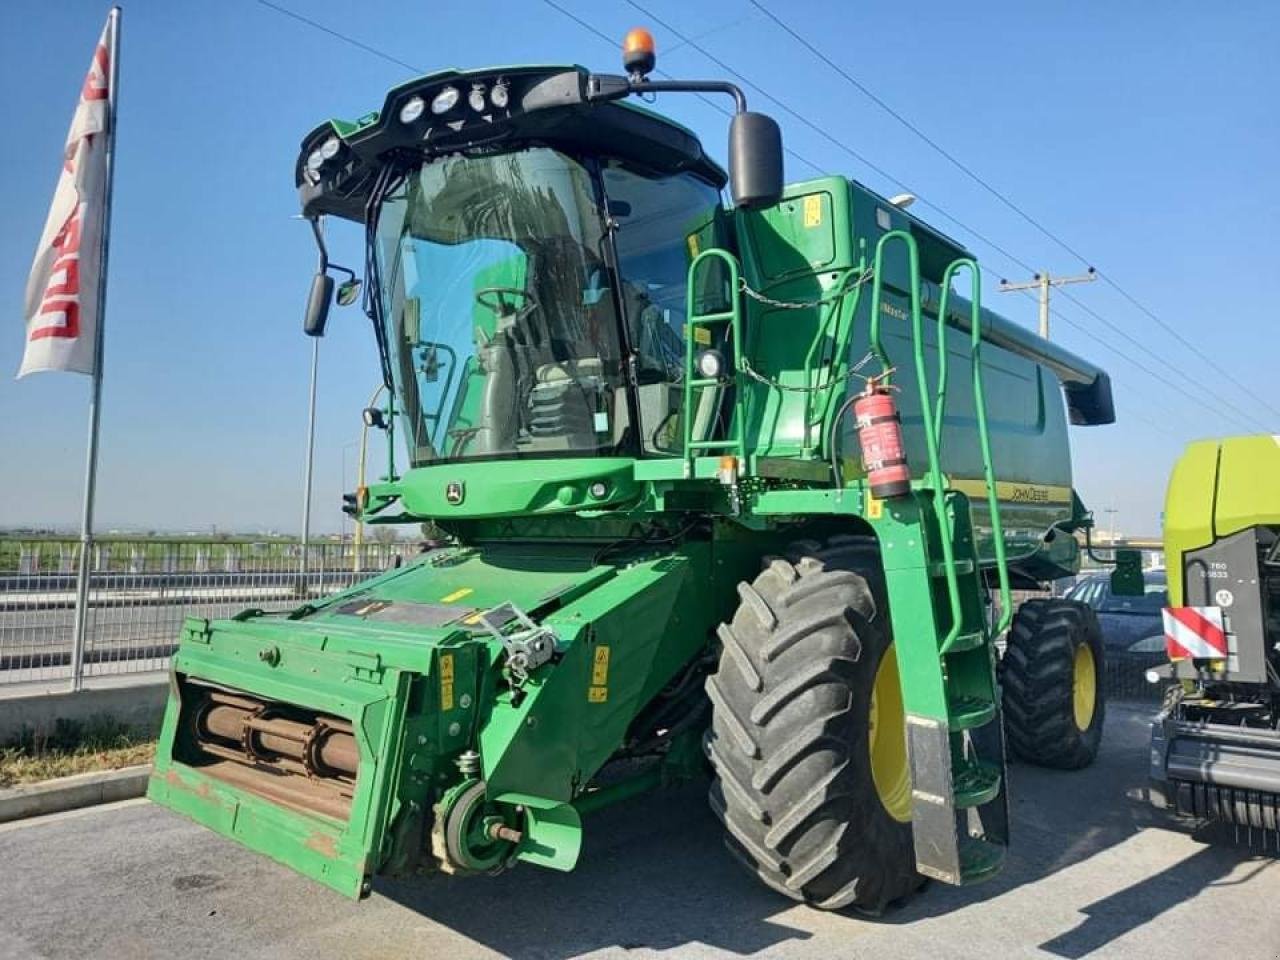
[854, 371]
[840, 293]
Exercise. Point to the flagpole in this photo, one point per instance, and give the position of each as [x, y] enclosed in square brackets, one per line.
[95, 395]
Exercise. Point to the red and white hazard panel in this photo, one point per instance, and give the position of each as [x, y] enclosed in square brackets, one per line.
[1194, 633]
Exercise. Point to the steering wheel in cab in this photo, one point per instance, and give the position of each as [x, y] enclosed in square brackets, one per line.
[507, 301]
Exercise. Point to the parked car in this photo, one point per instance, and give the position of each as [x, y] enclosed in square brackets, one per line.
[1130, 625]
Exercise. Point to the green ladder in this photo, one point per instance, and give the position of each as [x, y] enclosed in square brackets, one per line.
[942, 635]
[695, 440]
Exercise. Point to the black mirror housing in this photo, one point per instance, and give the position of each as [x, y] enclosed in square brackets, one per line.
[1126, 578]
[348, 291]
[318, 305]
[755, 160]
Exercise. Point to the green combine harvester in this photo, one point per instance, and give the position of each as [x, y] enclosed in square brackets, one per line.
[1215, 747]
[726, 483]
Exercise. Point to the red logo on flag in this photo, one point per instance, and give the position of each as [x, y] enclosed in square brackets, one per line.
[59, 314]
[1194, 633]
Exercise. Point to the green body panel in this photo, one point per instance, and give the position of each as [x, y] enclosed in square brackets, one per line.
[1217, 488]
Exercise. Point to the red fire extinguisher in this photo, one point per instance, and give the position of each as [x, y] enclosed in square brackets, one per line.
[880, 434]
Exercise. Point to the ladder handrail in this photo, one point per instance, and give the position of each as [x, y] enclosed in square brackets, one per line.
[936, 480]
[733, 316]
[980, 413]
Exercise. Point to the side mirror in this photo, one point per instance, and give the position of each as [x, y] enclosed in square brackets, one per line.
[318, 305]
[755, 160]
[1126, 578]
[374, 417]
[348, 290]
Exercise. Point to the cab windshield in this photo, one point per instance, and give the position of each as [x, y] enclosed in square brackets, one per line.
[501, 328]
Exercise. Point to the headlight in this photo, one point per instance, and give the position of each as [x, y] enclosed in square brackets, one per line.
[498, 96]
[315, 160]
[598, 490]
[329, 149]
[412, 109]
[710, 364]
[444, 101]
[476, 98]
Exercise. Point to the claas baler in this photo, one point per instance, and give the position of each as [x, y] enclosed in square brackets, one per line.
[1215, 745]
[724, 484]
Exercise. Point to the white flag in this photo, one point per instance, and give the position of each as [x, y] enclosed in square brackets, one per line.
[62, 311]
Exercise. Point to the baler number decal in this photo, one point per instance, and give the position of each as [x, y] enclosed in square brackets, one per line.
[446, 681]
[598, 692]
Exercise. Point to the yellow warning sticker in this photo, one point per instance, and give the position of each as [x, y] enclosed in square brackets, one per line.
[600, 666]
[692, 241]
[702, 335]
[446, 681]
[457, 595]
[598, 692]
[875, 507]
[813, 210]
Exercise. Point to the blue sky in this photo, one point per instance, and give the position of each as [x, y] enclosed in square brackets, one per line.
[1148, 141]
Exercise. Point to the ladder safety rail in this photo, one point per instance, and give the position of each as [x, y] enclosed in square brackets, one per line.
[839, 318]
[980, 413]
[935, 478]
[732, 317]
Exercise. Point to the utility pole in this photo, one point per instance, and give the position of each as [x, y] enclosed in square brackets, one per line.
[1112, 511]
[1044, 283]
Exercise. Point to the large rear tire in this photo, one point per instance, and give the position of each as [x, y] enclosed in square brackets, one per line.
[1051, 676]
[808, 732]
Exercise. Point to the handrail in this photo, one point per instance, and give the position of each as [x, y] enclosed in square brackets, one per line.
[843, 314]
[980, 413]
[936, 480]
[693, 320]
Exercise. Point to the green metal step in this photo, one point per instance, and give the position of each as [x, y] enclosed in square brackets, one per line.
[968, 641]
[979, 859]
[938, 568]
[975, 783]
[967, 713]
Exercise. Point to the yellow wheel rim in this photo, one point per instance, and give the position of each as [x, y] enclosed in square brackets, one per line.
[887, 730]
[1084, 686]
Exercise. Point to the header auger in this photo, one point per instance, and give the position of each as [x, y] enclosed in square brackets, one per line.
[634, 410]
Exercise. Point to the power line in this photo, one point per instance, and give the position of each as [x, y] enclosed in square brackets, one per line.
[339, 36]
[840, 145]
[1005, 200]
[791, 152]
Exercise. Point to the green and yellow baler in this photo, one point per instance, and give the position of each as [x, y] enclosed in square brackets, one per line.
[631, 410]
[1215, 746]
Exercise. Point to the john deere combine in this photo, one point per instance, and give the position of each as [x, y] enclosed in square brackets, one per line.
[727, 481]
[1215, 747]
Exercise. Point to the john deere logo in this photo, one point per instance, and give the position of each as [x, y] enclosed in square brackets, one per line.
[455, 491]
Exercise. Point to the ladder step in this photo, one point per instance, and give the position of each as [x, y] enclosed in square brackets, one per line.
[966, 713]
[938, 568]
[706, 382]
[979, 859]
[968, 641]
[975, 783]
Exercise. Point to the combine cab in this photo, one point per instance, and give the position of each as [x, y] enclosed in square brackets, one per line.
[733, 482]
[1215, 747]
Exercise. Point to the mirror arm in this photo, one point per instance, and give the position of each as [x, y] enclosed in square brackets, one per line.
[604, 86]
[324, 265]
[317, 231]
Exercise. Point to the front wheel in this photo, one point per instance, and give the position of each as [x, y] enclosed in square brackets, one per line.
[1051, 676]
[808, 736]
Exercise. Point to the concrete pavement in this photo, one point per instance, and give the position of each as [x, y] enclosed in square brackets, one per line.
[1093, 872]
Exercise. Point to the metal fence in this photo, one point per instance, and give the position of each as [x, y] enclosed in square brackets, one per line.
[140, 591]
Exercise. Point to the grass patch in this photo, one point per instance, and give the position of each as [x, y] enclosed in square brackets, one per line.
[97, 744]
